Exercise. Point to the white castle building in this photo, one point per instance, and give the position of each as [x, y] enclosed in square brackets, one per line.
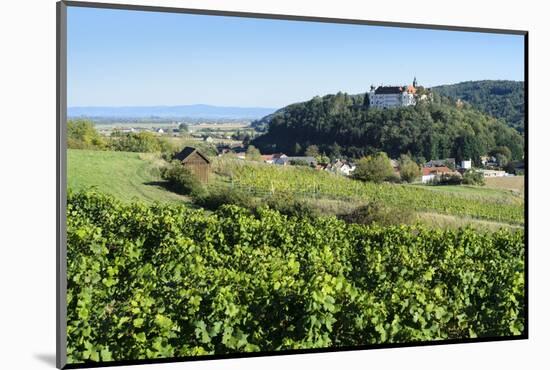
[392, 96]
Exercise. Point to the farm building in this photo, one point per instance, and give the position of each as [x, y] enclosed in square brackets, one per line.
[195, 161]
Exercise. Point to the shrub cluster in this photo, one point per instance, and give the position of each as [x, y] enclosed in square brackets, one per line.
[472, 177]
[216, 197]
[377, 212]
[181, 180]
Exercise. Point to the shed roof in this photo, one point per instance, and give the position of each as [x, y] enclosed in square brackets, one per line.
[186, 153]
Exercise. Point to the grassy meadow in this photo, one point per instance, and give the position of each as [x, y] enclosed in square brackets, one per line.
[126, 176]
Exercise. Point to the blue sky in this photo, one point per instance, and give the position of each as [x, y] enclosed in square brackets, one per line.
[133, 58]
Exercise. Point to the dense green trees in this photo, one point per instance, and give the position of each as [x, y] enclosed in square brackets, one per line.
[500, 99]
[340, 125]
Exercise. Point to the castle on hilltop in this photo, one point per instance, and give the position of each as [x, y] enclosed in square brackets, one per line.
[394, 96]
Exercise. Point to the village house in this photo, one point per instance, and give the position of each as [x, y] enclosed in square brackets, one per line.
[280, 159]
[340, 167]
[275, 158]
[267, 158]
[430, 174]
[489, 161]
[441, 163]
[194, 161]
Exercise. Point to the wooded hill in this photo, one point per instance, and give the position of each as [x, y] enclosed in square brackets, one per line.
[343, 125]
[500, 99]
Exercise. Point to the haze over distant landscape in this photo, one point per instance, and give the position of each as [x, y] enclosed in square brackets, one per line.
[178, 111]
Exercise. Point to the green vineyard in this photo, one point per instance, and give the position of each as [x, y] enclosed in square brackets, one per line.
[261, 179]
[156, 281]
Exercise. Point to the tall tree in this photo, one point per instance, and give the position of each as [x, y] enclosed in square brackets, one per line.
[408, 169]
[253, 154]
[375, 168]
[312, 151]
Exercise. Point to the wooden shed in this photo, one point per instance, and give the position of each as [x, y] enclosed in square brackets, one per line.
[195, 161]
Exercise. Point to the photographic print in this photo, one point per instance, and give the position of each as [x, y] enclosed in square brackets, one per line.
[241, 185]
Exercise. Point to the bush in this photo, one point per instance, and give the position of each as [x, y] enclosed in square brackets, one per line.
[394, 178]
[167, 147]
[376, 168]
[376, 212]
[181, 180]
[253, 154]
[299, 162]
[448, 179]
[472, 177]
[287, 204]
[408, 169]
[217, 197]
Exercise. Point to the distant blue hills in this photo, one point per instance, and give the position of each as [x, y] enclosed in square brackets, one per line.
[177, 111]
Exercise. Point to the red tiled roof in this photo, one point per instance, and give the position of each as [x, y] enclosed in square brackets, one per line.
[411, 89]
[435, 170]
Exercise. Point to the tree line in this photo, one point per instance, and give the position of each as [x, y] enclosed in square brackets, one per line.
[82, 134]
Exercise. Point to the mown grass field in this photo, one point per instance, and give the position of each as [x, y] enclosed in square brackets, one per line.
[515, 183]
[124, 175]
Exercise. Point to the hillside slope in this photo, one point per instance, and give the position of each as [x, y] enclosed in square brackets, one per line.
[127, 176]
[500, 99]
[341, 125]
